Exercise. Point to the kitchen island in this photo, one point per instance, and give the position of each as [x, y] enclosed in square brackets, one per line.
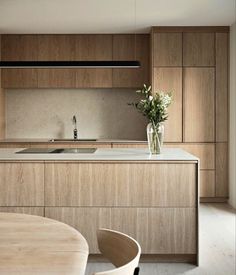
[152, 198]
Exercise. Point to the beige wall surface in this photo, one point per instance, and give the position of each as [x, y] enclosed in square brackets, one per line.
[47, 113]
[232, 145]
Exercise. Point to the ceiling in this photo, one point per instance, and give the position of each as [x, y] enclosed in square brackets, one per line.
[110, 16]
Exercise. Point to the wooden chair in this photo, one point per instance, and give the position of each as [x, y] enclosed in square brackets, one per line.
[121, 250]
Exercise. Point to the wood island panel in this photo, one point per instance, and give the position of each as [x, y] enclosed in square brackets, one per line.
[120, 184]
[21, 184]
[156, 229]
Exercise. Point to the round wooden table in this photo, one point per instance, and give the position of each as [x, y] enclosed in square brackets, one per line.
[36, 245]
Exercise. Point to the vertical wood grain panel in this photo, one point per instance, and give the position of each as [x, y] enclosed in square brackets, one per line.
[2, 101]
[130, 47]
[221, 170]
[207, 183]
[19, 78]
[158, 230]
[221, 87]
[21, 184]
[93, 47]
[199, 49]
[170, 80]
[111, 184]
[199, 104]
[38, 211]
[167, 49]
[93, 78]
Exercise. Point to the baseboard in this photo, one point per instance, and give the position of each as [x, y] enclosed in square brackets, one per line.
[218, 199]
[153, 258]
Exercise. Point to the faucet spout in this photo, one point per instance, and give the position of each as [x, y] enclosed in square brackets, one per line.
[75, 131]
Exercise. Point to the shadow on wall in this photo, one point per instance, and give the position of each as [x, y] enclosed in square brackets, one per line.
[47, 113]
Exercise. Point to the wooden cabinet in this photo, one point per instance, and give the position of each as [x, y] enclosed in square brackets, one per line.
[129, 47]
[170, 79]
[140, 223]
[199, 104]
[199, 49]
[2, 103]
[221, 87]
[21, 184]
[207, 183]
[38, 211]
[117, 184]
[167, 49]
[221, 170]
[19, 78]
[19, 48]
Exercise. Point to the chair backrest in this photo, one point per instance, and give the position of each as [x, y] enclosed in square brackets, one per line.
[121, 250]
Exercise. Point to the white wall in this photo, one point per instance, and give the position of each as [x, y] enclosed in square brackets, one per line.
[47, 113]
[232, 145]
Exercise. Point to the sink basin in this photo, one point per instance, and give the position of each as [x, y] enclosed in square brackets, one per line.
[57, 151]
[70, 140]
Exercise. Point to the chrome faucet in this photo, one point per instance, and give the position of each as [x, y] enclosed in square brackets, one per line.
[75, 131]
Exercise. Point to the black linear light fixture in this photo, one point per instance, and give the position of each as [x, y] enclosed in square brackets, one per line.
[68, 64]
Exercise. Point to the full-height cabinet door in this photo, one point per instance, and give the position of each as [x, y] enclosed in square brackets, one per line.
[19, 48]
[129, 47]
[169, 79]
[199, 104]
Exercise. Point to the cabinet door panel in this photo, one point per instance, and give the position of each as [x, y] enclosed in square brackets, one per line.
[176, 227]
[167, 49]
[207, 183]
[199, 104]
[130, 47]
[199, 49]
[38, 211]
[222, 170]
[93, 47]
[117, 184]
[170, 80]
[19, 47]
[221, 87]
[22, 184]
[93, 78]
[19, 78]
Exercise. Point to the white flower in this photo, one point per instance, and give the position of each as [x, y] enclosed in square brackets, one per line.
[150, 98]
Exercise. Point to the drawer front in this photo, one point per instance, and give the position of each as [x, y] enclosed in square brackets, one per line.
[117, 184]
[21, 184]
[158, 230]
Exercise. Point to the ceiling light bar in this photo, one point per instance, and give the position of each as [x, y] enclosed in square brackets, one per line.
[68, 64]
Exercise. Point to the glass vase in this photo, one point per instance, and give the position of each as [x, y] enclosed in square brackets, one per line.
[155, 136]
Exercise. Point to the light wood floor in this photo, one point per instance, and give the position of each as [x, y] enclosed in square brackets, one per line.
[217, 247]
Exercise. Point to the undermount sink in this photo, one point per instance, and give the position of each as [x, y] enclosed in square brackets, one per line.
[74, 140]
[57, 151]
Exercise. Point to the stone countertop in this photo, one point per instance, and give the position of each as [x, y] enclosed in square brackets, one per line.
[46, 140]
[103, 154]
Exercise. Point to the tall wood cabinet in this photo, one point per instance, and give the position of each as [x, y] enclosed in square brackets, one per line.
[2, 105]
[193, 63]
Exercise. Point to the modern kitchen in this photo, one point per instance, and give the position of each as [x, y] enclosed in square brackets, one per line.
[118, 137]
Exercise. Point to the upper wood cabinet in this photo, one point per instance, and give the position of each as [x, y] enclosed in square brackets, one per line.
[199, 49]
[199, 104]
[130, 47]
[167, 49]
[221, 87]
[170, 79]
[93, 47]
[19, 47]
[19, 78]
